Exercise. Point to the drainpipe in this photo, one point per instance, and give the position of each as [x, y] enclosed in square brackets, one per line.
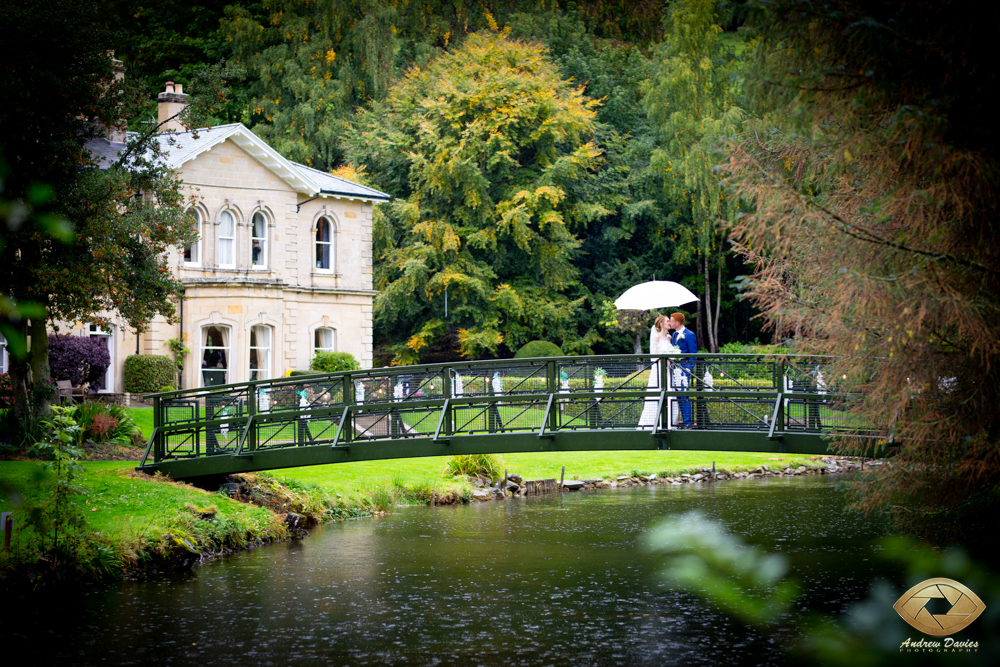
[180, 373]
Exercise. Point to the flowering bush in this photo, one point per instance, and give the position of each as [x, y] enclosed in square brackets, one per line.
[6, 392]
[78, 359]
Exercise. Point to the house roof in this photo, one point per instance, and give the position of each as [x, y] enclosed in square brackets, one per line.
[178, 148]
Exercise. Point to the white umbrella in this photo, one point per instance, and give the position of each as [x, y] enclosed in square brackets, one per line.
[654, 294]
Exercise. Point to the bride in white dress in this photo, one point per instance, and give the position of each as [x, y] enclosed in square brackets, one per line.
[659, 343]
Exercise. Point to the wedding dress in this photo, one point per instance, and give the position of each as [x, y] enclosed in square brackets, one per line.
[659, 343]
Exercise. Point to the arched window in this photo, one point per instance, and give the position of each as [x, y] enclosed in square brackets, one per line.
[227, 239]
[324, 245]
[192, 253]
[215, 355]
[260, 352]
[258, 241]
[324, 340]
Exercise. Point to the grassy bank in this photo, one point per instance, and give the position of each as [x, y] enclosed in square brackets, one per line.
[137, 524]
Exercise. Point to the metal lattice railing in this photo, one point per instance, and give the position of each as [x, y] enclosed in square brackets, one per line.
[708, 392]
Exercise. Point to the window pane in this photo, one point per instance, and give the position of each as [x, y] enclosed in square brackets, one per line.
[192, 253]
[258, 242]
[260, 352]
[323, 244]
[214, 356]
[323, 341]
[227, 240]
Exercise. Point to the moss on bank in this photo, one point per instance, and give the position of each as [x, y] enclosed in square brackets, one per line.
[139, 524]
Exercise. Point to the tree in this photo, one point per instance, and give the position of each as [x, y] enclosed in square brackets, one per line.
[107, 256]
[690, 101]
[874, 233]
[479, 148]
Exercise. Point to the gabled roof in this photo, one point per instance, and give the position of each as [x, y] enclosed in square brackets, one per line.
[178, 148]
[337, 186]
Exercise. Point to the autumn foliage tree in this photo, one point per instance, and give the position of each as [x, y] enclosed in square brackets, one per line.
[480, 148]
[874, 234]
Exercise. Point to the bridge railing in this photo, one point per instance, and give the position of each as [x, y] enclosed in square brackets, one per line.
[543, 396]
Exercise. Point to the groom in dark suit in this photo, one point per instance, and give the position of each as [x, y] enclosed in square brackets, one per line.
[686, 340]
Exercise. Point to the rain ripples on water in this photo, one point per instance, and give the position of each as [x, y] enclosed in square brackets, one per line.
[551, 580]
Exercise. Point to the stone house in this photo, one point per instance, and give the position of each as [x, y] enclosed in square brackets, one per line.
[283, 267]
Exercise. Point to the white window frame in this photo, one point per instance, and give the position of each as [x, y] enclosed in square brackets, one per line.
[333, 340]
[196, 248]
[263, 240]
[263, 352]
[226, 349]
[231, 239]
[3, 354]
[97, 331]
[331, 245]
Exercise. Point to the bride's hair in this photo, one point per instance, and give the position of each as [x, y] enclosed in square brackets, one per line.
[660, 323]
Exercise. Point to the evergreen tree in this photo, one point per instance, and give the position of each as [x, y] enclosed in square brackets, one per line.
[480, 148]
[691, 102]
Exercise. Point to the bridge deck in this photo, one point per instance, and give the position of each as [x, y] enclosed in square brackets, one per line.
[731, 402]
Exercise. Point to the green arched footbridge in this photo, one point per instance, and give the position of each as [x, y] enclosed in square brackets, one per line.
[734, 402]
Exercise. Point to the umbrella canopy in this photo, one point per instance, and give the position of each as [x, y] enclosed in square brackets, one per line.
[654, 294]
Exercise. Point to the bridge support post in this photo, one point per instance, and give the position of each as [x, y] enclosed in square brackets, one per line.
[446, 390]
[251, 436]
[158, 448]
[552, 385]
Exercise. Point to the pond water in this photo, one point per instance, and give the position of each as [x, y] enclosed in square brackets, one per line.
[551, 580]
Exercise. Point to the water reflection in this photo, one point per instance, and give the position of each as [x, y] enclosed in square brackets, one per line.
[555, 580]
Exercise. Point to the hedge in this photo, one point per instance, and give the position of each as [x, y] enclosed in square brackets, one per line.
[333, 362]
[149, 373]
[539, 348]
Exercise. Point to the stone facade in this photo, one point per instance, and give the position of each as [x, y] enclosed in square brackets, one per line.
[285, 250]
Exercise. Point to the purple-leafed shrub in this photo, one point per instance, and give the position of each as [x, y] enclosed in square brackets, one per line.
[78, 359]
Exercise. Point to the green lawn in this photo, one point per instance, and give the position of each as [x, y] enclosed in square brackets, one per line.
[144, 418]
[119, 504]
[349, 479]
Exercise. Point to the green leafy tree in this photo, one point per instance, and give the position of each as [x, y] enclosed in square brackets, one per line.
[107, 254]
[691, 102]
[480, 148]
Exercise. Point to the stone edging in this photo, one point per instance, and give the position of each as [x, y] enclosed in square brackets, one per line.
[517, 487]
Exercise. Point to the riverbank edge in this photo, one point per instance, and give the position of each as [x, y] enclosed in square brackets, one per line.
[194, 538]
[826, 466]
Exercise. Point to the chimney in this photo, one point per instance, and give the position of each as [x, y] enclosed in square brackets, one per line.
[112, 133]
[170, 103]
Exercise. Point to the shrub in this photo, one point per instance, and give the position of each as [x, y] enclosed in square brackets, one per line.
[78, 359]
[539, 348]
[146, 373]
[487, 466]
[106, 423]
[733, 348]
[6, 392]
[333, 362]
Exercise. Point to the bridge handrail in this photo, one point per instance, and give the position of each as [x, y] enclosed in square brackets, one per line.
[423, 368]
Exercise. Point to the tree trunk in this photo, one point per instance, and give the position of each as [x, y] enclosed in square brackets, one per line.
[698, 328]
[40, 371]
[718, 299]
[20, 379]
[710, 341]
[637, 348]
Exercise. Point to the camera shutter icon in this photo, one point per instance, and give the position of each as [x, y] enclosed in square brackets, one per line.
[965, 607]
